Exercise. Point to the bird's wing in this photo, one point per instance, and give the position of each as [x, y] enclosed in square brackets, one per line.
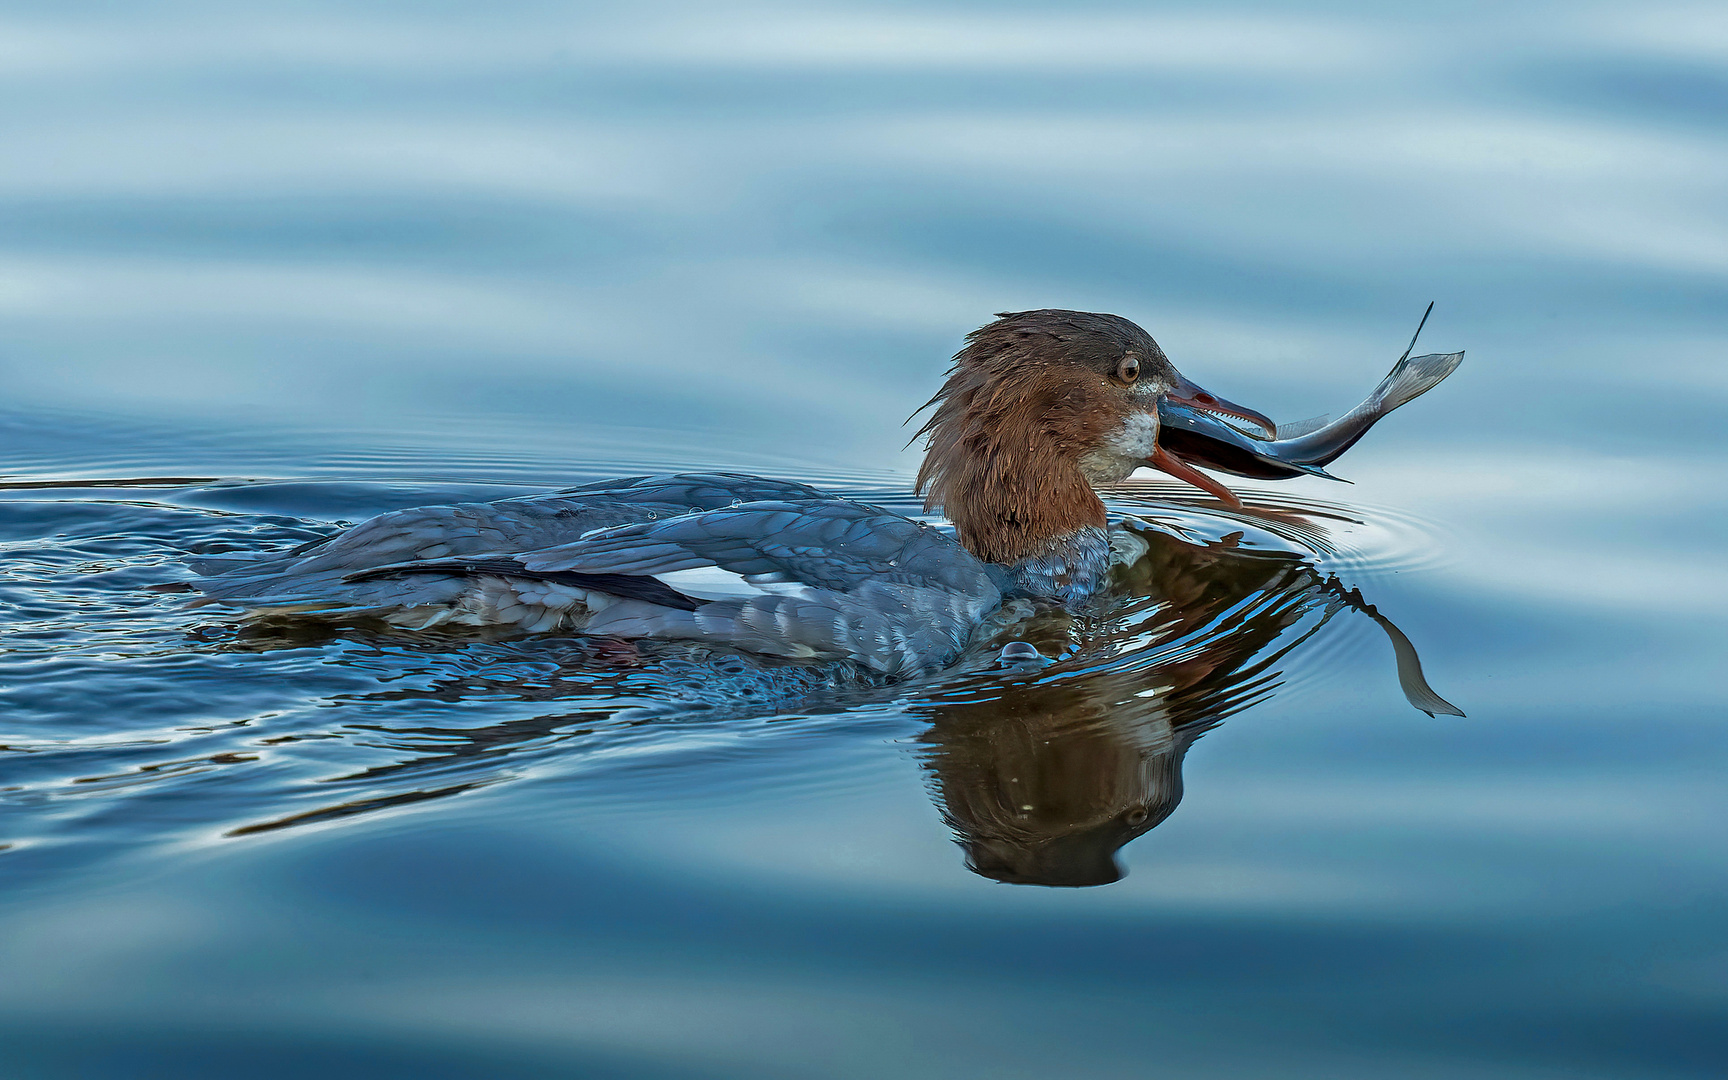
[527, 523]
[826, 579]
[832, 544]
[695, 492]
[417, 534]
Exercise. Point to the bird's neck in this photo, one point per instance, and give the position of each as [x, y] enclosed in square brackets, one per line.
[1025, 505]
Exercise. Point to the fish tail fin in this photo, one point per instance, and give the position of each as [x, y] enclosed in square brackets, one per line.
[1412, 377]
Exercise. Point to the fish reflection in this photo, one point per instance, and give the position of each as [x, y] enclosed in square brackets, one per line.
[1042, 782]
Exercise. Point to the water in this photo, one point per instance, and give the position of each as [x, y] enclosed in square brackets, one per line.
[266, 270]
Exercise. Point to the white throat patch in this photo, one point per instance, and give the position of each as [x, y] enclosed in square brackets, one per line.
[1125, 450]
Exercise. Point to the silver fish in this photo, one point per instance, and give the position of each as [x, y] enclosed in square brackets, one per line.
[1200, 438]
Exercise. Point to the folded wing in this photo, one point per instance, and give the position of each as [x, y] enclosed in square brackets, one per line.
[796, 574]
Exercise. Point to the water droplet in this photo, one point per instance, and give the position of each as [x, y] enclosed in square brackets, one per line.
[1019, 652]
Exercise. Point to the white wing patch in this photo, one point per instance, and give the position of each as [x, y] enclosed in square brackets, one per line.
[713, 583]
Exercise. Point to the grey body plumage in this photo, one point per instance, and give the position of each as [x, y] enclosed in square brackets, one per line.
[819, 577]
[1071, 572]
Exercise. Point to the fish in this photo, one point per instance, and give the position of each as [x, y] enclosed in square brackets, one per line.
[1200, 438]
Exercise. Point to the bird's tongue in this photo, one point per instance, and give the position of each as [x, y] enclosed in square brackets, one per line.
[1181, 470]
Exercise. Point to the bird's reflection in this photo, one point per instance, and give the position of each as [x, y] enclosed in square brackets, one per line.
[1043, 785]
[1042, 782]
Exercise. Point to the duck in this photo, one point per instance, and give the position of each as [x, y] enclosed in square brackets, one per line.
[1038, 409]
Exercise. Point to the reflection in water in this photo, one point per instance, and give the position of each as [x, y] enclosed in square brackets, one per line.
[1042, 785]
[1043, 782]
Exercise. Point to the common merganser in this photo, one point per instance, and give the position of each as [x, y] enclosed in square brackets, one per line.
[1038, 407]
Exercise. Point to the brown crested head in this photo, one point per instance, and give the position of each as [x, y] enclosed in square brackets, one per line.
[1036, 405]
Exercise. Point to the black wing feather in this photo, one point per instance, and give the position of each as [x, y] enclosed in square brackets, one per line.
[625, 586]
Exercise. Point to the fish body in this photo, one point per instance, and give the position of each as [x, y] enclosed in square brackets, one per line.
[1200, 438]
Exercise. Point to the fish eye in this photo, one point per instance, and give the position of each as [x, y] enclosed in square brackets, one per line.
[1127, 370]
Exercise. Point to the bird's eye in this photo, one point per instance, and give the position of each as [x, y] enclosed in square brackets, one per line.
[1128, 370]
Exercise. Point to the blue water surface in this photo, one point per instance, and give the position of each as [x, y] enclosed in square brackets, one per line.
[266, 268]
